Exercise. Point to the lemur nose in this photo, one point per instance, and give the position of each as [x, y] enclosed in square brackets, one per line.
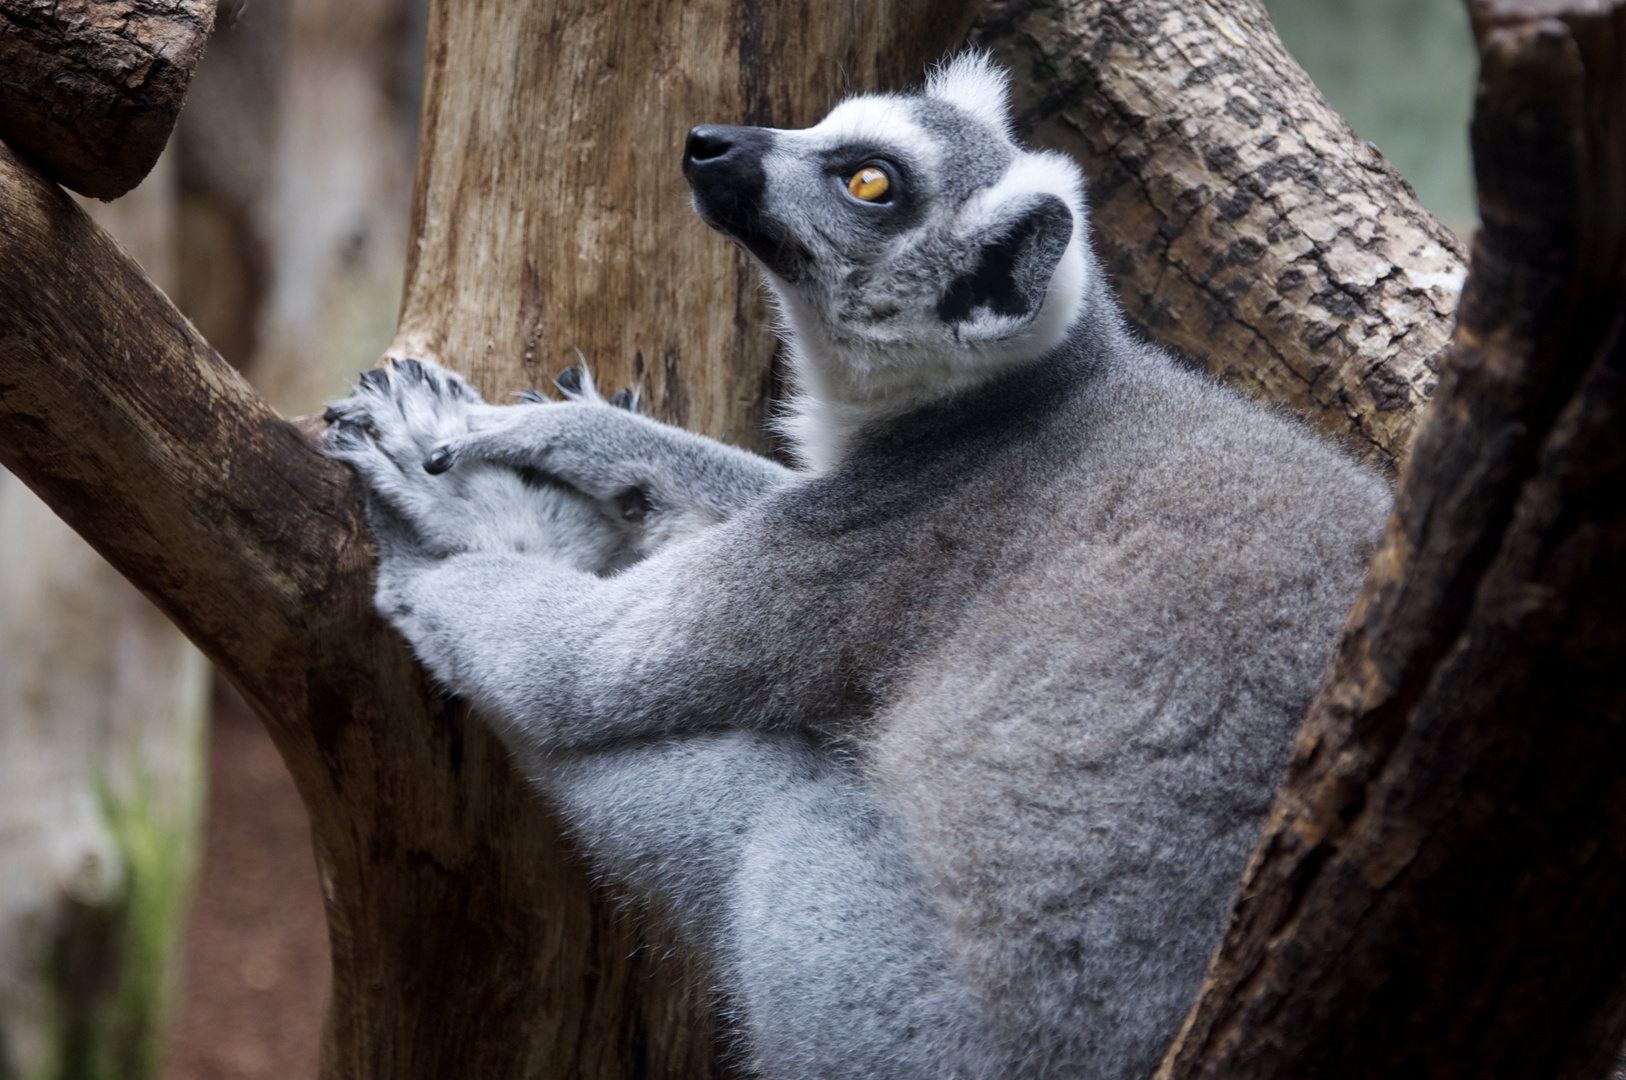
[708, 142]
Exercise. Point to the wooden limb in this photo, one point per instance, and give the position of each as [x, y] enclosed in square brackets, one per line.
[1441, 890]
[463, 941]
[90, 89]
[1243, 221]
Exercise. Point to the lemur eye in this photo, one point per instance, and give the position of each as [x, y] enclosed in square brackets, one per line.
[868, 184]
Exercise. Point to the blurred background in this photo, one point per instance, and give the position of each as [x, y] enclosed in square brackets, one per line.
[159, 909]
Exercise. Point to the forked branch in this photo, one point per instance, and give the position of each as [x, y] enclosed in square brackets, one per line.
[1441, 890]
[91, 88]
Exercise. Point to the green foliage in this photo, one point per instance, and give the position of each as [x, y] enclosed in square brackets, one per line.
[112, 963]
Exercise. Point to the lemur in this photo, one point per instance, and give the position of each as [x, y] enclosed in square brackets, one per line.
[948, 747]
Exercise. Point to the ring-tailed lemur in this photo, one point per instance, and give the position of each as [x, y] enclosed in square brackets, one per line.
[948, 750]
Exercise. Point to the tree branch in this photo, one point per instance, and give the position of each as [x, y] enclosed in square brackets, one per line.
[464, 941]
[1441, 890]
[90, 89]
[1244, 223]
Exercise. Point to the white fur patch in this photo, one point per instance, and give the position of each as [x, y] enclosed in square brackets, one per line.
[880, 119]
[973, 82]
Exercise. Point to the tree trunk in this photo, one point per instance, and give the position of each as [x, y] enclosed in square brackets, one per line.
[101, 737]
[91, 88]
[1441, 890]
[1244, 224]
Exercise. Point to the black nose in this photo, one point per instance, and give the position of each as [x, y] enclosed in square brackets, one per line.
[708, 142]
[723, 165]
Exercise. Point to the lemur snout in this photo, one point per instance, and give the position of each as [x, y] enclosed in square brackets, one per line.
[723, 165]
[707, 143]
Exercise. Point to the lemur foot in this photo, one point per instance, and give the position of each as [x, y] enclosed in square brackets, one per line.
[390, 426]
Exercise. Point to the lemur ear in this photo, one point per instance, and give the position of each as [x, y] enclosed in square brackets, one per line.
[1018, 254]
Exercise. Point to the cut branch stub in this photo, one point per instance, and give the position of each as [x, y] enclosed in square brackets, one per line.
[1441, 890]
[90, 89]
[1243, 222]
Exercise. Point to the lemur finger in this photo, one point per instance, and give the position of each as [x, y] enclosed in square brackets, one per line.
[627, 398]
[576, 384]
[405, 406]
[495, 446]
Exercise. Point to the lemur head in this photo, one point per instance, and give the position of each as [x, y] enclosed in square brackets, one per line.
[914, 246]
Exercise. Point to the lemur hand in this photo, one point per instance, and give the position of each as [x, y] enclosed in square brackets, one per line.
[658, 481]
[392, 424]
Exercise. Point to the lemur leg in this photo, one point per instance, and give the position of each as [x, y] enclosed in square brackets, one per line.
[663, 481]
[762, 850]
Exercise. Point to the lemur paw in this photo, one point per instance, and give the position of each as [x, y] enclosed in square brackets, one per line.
[595, 445]
[388, 428]
[382, 430]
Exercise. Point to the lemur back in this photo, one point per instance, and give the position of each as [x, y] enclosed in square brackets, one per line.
[949, 750]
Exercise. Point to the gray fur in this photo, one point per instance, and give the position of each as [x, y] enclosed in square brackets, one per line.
[948, 755]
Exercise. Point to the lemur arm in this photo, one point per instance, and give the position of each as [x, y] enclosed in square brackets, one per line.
[664, 482]
[498, 584]
[562, 659]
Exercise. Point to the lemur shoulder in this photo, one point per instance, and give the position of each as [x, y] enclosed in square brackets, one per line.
[947, 748]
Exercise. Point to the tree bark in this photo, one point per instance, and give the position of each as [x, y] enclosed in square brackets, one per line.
[90, 89]
[1441, 890]
[1245, 225]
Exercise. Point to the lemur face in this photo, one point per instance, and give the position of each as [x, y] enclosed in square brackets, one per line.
[904, 229]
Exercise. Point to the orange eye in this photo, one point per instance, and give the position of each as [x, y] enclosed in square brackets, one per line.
[868, 184]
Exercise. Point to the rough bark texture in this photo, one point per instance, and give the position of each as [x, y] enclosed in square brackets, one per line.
[1244, 223]
[1441, 890]
[89, 89]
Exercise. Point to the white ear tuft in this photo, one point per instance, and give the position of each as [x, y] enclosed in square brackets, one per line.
[973, 82]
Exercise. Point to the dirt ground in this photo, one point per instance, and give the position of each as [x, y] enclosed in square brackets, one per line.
[255, 964]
